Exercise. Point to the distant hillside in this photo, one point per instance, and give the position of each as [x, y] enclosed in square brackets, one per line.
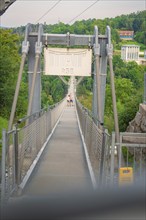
[133, 21]
[129, 76]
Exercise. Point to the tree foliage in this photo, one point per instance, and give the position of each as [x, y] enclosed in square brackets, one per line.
[53, 89]
[129, 76]
[129, 81]
[134, 21]
[9, 66]
[129, 92]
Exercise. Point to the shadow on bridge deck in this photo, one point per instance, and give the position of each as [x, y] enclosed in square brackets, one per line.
[62, 166]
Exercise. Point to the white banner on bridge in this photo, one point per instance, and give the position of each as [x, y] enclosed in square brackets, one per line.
[68, 62]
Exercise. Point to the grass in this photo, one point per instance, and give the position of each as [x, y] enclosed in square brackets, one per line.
[3, 125]
[128, 42]
[132, 42]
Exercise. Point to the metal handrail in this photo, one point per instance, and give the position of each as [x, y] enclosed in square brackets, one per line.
[90, 113]
[22, 145]
[96, 141]
[39, 113]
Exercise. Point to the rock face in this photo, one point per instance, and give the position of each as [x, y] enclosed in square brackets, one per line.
[138, 124]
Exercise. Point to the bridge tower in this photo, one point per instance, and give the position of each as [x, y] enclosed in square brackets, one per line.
[99, 74]
[102, 50]
[34, 71]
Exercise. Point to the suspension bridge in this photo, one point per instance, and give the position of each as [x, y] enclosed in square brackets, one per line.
[63, 148]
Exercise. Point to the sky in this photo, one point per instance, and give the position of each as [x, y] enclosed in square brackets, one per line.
[67, 11]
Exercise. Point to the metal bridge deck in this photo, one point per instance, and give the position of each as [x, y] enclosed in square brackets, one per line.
[63, 165]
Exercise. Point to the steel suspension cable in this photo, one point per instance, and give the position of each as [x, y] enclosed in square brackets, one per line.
[25, 48]
[38, 50]
[83, 11]
[48, 11]
[98, 92]
[114, 99]
[33, 85]
[17, 91]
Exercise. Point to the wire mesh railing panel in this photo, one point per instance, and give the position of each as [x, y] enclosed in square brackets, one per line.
[129, 164]
[133, 147]
[42, 130]
[23, 145]
[48, 122]
[8, 183]
[93, 137]
[27, 147]
[107, 161]
[52, 118]
[88, 135]
[55, 113]
[96, 148]
[135, 157]
[35, 135]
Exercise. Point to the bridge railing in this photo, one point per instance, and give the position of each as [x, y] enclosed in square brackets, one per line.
[97, 143]
[22, 146]
[133, 148]
[8, 164]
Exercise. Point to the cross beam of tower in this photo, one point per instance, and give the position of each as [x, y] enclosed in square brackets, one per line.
[62, 39]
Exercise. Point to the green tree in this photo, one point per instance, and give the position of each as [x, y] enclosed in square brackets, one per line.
[53, 90]
[128, 100]
[9, 66]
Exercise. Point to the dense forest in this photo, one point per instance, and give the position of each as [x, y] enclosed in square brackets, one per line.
[129, 85]
[128, 76]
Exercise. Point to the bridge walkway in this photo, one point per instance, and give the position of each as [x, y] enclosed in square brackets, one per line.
[62, 165]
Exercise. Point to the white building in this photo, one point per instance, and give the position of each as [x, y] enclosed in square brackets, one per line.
[130, 52]
[145, 54]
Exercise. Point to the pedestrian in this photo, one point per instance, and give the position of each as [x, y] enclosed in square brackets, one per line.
[68, 100]
[71, 101]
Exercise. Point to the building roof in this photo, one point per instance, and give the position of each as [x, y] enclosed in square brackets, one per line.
[126, 32]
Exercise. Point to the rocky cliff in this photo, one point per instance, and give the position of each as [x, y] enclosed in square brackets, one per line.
[138, 124]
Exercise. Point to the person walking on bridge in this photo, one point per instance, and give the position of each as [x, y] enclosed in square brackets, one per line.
[71, 100]
[68, 100]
